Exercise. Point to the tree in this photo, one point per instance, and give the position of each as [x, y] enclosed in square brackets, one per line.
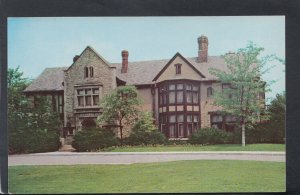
[17, 106]
[145, 132]
[243, 77]
[121, 106]
[276, 123]
[30, 129]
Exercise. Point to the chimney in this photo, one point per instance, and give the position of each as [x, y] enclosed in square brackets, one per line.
[75, 58]
[124, 61]
[203, 49]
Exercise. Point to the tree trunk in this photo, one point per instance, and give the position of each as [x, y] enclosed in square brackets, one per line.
[243, 135]
[121, 133]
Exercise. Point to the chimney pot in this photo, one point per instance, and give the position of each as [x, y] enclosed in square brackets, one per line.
[75, 58]
[125, 55]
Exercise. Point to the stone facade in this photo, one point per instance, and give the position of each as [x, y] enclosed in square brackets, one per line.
[103, 78]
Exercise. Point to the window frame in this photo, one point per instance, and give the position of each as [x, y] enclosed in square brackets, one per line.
[85, 96]
[209, 91]
[178, 68]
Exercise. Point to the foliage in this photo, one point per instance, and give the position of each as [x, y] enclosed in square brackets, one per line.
[245, 69]
[209, 136]
[92, 139]
[145, 132]
[88, 123]
[273, 130]
[120, 107]
[30, 129]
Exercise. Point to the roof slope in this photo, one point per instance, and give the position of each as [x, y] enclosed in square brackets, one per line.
[139, 73]
[49, 80]
[143, 72]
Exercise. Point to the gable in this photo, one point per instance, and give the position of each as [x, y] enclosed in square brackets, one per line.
[188, 71]
[91, 55]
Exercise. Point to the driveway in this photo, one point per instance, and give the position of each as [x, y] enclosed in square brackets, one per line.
[74, 158]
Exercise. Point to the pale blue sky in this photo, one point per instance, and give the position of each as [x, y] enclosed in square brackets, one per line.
[37, 43]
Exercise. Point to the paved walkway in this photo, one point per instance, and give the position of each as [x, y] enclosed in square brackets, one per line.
[72, 158]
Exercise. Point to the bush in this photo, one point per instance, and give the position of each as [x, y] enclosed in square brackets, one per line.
[265, 133]
[145, 138]
[209, 136]
[144, 132]
[34, 141]
[91, 139]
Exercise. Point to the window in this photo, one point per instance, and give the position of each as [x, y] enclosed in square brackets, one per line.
[209, 91]
[88, 72]
[179, 96]
[172, 118]
[91, 71]
[172, 130]
[180, 130]
[227, 122]
[88, 97]
[178, 68]
[226, 90]
[217, 121]
[178, 123]
[171, 97]
[57, 102]
[195, 97]
[189, 97]
[180, 118]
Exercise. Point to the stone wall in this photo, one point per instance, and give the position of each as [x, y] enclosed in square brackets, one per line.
[104, 77]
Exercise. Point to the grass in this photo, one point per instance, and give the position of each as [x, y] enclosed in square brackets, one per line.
[179, 176]
[186, 147]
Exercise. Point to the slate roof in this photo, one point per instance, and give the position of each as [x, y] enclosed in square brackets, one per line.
[143, 72]
[139, 73]
[49, 80]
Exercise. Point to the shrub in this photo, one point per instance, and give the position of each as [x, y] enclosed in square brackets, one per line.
[93, 139]
[144, 132]
[40, 140]
[209, 136]
[265, 133]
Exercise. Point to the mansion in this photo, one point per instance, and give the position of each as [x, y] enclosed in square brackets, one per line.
[178, 91]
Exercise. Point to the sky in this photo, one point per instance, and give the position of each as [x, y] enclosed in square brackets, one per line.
[38, 43]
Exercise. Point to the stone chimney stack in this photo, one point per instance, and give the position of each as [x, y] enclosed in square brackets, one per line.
[203, 49]
[125, 55]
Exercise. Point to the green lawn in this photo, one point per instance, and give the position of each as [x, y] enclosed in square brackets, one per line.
[221, 147]
[179, 176]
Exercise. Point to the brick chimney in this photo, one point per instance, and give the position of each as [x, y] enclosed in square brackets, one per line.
[125, 55]
[203, 48]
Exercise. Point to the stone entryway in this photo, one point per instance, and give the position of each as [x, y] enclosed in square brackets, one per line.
[67, 144]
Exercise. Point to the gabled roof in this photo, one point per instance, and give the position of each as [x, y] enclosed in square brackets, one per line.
[139, 72]
[143, 72]
[174, 57]
[49, 80]
[97, 54]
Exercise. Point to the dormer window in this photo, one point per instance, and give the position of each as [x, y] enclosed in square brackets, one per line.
[88, 72]
[178, 68]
